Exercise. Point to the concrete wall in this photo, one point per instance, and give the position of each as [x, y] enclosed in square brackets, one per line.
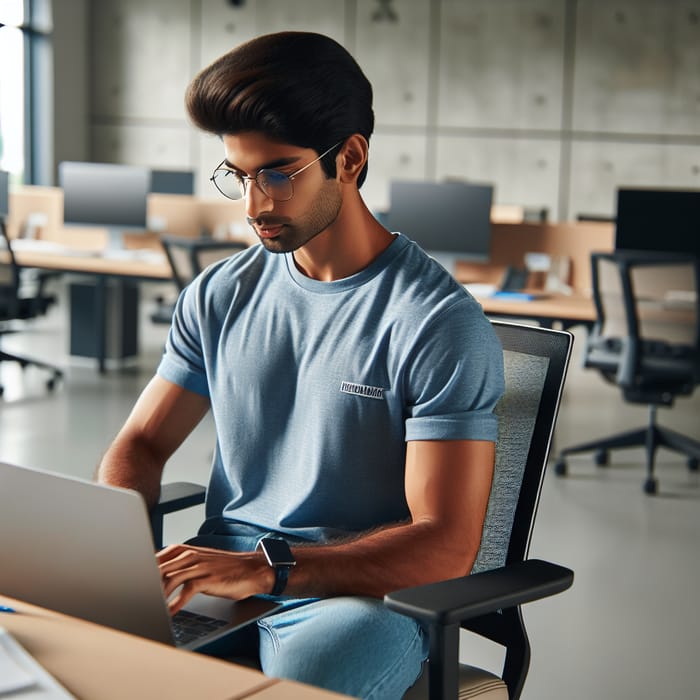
[71, 61]
[557, 102]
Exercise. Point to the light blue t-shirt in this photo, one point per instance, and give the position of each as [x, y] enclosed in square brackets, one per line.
[315, 387]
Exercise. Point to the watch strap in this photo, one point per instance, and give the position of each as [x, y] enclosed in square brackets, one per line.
[281, 578]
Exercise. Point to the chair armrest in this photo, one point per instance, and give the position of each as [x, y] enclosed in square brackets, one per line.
[450, 602]
[174, 496]
[179, 495]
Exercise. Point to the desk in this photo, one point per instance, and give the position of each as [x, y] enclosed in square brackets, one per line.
[510, 243]
[574, 241]
[568, 311]
[125, 270]
[178, 214]
[95, 264]
[98, 663]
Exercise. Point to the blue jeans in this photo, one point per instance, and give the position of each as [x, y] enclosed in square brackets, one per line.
[350, 645]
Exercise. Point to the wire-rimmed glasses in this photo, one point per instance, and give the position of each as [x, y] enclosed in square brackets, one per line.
[274, 184]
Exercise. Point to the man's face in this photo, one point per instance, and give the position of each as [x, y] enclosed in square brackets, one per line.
[283, 226]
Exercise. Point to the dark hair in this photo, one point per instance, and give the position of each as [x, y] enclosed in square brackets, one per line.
[299, 88]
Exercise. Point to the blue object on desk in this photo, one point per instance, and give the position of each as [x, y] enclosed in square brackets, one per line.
[5, 609]
[515, 296]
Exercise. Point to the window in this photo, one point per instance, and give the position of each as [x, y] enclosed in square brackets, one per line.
[12, 93]
[26, 146]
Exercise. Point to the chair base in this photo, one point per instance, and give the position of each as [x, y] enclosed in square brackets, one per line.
[56, 374]
[652, 437]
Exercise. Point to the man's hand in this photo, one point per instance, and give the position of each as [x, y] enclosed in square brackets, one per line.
[234, 575]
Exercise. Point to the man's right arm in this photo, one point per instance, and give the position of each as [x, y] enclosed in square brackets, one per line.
[164, 415]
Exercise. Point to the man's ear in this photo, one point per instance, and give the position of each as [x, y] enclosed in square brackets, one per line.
[352, 158]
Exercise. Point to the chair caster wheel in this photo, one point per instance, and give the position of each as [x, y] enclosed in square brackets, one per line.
[693, 464]
[650, 486]
[560, 467]
[601, 458]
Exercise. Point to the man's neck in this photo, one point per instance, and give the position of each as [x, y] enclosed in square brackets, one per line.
[350, 244]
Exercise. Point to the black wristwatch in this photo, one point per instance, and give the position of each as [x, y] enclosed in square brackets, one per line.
[280, 558]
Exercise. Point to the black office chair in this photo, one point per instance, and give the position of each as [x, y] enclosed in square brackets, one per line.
[488, 601]
[646, 340]
[187, 258]
[17, 303]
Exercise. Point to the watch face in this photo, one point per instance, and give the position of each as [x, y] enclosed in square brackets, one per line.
[277, 552]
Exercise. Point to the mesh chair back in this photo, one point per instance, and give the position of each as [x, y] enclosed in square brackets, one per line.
[207, 256]
[611, 297]
[647, 333]
[9, 277]
[188, 256]
[181, 264]
[535, 363]
[665, 300]
[662, 297]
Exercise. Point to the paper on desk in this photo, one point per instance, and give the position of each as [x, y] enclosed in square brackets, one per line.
[480, 289]
[13, 677]
[21, 674]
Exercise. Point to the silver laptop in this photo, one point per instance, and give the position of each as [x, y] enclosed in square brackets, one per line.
[86, 550]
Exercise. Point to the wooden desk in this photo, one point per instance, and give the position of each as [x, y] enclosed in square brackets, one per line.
[95, 264]
[127, 271]
[97, 663]
[552, 309]
[574, 241]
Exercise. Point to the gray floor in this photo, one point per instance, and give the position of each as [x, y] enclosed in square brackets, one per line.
[629, 628]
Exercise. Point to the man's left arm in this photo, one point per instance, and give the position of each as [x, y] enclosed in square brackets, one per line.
[447, 489]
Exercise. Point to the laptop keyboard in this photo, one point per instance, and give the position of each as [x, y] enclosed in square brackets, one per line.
[188, 626]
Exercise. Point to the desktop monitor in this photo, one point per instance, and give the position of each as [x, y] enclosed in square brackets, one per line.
[104, 194]
[4, 194]
[172, 181]
[449, 220]
[658, 220]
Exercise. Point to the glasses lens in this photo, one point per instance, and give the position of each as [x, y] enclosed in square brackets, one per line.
[275, 185]
[228, 183]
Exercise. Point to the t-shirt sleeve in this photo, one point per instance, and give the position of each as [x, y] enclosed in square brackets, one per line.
[455, 378]
[183, 360]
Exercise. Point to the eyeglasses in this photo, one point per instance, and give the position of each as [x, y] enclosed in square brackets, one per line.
[274, 184]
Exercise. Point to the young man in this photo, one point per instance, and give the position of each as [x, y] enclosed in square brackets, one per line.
[352, 382]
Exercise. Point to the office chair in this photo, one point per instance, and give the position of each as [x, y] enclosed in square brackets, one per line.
[487, 601]
[646, 340]
[18, 305]
[187, 258]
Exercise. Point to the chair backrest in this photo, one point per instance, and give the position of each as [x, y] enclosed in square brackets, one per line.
[647, 321]
[9, 277]
[189, 256]
[535, 364]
